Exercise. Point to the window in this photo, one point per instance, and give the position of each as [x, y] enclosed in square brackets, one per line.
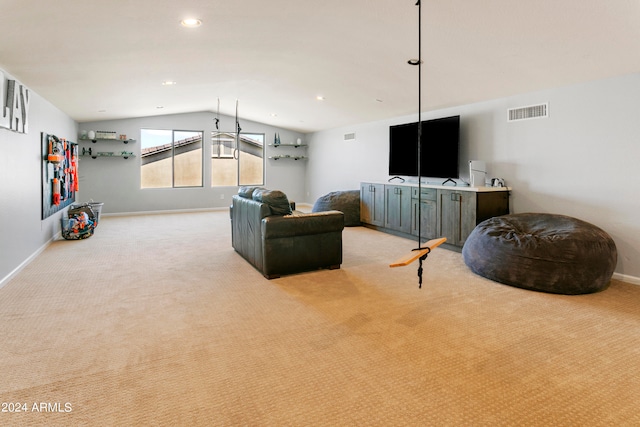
[236, 162]
[170, 158]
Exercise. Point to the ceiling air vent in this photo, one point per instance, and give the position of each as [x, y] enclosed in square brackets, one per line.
[351, 136]
[530, 112]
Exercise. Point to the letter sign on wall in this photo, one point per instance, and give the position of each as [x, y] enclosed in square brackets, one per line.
[15, 105]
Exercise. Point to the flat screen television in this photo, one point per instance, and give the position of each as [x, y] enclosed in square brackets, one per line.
[438, 151]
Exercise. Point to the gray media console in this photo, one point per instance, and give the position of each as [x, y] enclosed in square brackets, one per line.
[445, 211]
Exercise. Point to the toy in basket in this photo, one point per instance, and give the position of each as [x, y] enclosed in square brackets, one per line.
[79, 222]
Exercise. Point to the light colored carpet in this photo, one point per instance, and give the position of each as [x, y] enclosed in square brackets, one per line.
[155, 320]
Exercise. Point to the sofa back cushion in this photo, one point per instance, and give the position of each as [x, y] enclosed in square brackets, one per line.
[247, 192]
[275, 199]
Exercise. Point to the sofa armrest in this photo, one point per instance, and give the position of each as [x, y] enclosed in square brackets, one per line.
[302, 224]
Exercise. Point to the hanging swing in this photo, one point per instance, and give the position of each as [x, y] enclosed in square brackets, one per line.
[217, 121]
[422, 251]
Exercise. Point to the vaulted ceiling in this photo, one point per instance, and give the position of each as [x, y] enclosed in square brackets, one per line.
[99, 60]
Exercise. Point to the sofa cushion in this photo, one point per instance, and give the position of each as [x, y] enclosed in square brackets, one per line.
[247, 192]
[302, 224]
[275, 199]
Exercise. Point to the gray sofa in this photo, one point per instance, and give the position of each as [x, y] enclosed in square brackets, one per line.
[277, 240]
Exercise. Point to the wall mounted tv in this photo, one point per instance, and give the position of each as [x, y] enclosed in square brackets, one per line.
[438, 151]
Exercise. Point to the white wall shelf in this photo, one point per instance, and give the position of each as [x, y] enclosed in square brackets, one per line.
[288, 157]
[287, 145]
[124, 141]
[88, 152]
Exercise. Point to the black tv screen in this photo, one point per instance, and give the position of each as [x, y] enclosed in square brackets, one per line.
[438, 150]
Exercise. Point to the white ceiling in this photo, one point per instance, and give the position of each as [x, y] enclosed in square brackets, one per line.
[99, 60]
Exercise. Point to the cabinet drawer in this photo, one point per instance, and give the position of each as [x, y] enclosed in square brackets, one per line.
[425, 193]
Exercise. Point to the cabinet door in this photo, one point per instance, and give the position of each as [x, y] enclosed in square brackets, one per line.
[428, 211]
[372, 203]
[398, 208]
[457, 215]
[448, 216]
[428, 216]
[468, 212]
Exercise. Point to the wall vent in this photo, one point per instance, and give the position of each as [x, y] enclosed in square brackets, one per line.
[351, 136]
[529, 112]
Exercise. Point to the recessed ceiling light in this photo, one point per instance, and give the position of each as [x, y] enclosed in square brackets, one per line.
[159, 107]
[274, 115]
[168, 83]
[191, 22]
[320, 98]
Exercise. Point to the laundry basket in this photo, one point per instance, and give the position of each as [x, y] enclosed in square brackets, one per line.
[97, 208]
[78, 223]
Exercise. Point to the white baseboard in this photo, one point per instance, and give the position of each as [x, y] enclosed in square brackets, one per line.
[26, 262]
[627, 279]
[164, 212]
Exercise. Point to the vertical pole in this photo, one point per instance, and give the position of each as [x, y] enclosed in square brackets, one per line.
[236, 151]
[419, 123]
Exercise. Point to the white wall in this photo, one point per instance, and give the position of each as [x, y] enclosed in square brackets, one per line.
[581, 161]
[116, 181]
[22, 232]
